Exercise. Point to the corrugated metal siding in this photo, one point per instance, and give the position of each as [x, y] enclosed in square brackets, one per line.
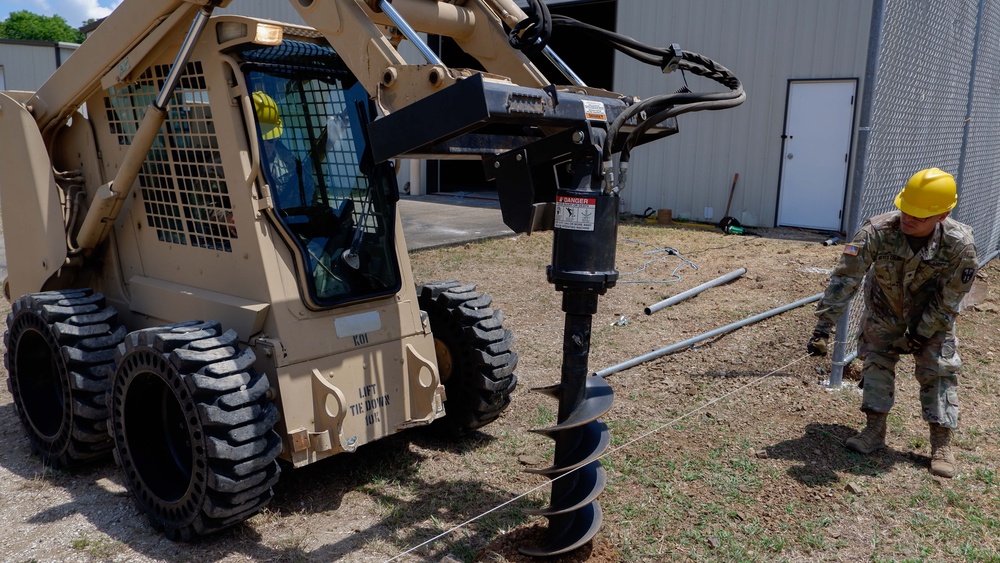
[65, 52]
[267, 9]
[28, 66]
[765, 43]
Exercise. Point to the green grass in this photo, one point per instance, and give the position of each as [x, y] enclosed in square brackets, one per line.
[99, 547]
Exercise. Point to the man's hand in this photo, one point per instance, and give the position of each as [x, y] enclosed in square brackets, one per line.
[910, 344]
[819, 343]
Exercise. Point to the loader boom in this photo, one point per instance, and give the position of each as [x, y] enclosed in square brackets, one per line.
[135, 31]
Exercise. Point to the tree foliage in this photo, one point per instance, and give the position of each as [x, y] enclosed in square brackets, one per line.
[24, 25]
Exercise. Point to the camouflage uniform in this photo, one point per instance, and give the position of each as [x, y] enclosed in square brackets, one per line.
[905, 293]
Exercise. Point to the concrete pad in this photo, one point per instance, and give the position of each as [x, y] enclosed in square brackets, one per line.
[434, 221]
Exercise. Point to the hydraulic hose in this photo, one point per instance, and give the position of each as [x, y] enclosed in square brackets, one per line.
[531, 36]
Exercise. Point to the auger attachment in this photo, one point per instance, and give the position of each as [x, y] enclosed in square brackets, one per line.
[578, 477]
[586, 226]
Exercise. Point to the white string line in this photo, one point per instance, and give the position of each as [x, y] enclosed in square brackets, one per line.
[474, 518]
[704, 406]
[605, 454]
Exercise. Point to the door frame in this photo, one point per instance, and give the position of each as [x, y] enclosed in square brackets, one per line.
[850, 146]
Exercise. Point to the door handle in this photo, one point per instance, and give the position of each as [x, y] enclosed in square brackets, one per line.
[789, 156]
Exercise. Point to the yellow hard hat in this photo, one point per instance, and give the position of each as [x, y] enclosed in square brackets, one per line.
[929, 192]
[267, 115]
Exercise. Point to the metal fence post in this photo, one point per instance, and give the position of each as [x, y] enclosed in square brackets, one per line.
[842, 336]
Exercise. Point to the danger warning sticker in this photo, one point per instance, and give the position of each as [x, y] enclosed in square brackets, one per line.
[575, 213]
[595, 110]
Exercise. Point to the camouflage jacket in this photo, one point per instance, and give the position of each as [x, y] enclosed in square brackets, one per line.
[920, 291]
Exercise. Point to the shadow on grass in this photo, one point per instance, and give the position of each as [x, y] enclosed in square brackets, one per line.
[410, 505]
[412, 508]
[822, 456]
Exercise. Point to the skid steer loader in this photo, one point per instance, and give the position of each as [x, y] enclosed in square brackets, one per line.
[207, 268]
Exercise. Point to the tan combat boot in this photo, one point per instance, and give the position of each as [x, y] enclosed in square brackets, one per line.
[872, 437]
[942, 460]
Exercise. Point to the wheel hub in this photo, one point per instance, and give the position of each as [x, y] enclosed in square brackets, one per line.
[446, 363]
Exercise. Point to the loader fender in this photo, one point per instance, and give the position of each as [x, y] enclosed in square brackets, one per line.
[29, 201]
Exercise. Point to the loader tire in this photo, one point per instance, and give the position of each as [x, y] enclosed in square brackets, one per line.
[193, 428]
[474, 354]
[60, 352]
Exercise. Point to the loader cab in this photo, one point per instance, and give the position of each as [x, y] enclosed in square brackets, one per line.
[334, 206]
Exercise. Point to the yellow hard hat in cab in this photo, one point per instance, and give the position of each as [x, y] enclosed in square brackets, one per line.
[931, 191]
[267, 115]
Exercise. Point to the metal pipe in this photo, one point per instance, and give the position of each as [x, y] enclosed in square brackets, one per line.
[712, 333]
[409, 33]
[841, 356]
[562, 66]
[838, 367]
[694, 291]
[970, 100]
[860, 167]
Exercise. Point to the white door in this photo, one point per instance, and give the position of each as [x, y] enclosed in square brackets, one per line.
[818, 124]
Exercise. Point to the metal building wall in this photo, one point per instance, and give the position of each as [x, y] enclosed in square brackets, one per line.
[268, 9]
[765, 43]
[28, 64]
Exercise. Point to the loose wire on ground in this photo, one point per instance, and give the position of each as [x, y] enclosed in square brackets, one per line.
[669, 252]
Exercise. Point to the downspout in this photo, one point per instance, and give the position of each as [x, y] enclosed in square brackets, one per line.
[60, 45]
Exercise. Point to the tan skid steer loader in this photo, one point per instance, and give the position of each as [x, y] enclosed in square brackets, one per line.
[207, 268]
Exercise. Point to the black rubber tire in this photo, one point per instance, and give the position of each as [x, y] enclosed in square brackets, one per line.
[193, 428]
[473, 351]
[60, 351]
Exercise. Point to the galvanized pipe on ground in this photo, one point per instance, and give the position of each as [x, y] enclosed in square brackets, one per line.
[712, 333]
[694, 291]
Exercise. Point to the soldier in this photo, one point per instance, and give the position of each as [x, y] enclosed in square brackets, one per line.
[290, 172]
[920, 264]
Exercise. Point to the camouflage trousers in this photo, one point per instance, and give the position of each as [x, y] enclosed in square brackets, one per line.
[937, 368]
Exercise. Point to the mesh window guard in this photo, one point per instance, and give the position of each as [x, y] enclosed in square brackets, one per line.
[182, 182]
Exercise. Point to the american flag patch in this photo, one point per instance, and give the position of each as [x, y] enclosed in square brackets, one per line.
[852, 249]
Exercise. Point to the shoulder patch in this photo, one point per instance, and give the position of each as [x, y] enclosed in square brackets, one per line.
[852, 249]
[968, 274]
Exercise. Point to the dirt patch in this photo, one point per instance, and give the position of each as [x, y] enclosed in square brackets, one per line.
[728, 450]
